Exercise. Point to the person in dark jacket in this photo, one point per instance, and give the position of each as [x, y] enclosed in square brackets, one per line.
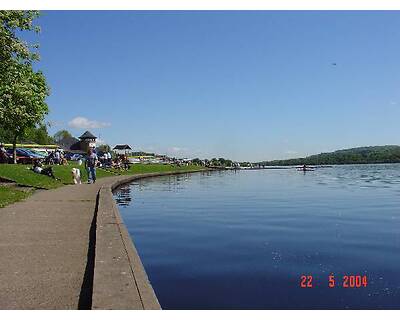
[90, 165]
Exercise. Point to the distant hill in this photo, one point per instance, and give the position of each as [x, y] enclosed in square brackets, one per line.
[376, 154]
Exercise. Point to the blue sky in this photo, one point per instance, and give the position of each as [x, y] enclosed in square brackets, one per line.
[241, 85]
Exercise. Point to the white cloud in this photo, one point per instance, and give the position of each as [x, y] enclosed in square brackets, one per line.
[84, 123]
[291, 152]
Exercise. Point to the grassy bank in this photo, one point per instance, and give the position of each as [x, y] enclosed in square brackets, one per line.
[9, 195]
[21, 175]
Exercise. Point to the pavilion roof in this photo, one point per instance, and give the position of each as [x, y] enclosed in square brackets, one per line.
[87, 135]
[122, 147]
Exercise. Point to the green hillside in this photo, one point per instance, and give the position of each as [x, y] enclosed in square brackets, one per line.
[376, 154]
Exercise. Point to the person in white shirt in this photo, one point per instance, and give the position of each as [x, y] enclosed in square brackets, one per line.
[108, 162]
[57, 157]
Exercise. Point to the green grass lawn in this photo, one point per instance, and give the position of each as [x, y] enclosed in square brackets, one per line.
[10, 195]
[64, 172]
[23, 176]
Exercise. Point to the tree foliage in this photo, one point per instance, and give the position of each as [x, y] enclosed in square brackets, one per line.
[11, 46]
[221, 162]
[23, 90]
[22, 99]
[61, 135]
[104, 148]
[38, 135]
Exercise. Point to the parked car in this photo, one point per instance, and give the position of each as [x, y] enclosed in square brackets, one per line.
[24, 156]
[34, 154]
[42, 152]
[75, 157]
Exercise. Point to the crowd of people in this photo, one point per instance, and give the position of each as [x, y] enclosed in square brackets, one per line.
[58, 157]
[105, 161]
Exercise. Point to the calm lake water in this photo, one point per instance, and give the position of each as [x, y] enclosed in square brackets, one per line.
[242, 240]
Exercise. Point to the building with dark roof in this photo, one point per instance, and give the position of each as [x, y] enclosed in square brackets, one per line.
[71, 144]
[87, 135]
[122, 148]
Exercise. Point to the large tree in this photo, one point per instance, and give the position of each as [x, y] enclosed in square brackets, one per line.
[62, 134]
[22, 100]
[23, 90]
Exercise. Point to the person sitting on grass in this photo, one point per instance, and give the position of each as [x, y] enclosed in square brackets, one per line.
[126, 162]
[38, 168]
[117, 164]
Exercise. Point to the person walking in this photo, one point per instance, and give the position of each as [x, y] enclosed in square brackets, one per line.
[90, 165]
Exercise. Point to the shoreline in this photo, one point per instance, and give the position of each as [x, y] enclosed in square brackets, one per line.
[57, 242]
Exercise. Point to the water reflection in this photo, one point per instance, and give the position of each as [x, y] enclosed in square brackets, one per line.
[123, 196]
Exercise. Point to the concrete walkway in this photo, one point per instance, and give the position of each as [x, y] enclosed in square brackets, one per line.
[44, 243]
[58, 252]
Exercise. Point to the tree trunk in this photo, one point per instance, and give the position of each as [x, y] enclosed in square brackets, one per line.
[15, 149]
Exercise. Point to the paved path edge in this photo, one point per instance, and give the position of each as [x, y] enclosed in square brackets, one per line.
[119, 278]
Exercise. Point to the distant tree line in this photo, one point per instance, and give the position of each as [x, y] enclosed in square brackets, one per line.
[214, 162]
[361, 155]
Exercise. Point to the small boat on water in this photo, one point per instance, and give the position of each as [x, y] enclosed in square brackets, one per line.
[305, 168]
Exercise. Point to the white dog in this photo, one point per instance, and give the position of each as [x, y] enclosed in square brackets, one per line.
[76, 175]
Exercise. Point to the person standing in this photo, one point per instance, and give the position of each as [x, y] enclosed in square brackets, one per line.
[109, 159]
[90, 165]
[57, 157]
[4, 158]
[105, 159]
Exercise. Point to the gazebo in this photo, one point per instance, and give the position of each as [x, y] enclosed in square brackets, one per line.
[122, 148]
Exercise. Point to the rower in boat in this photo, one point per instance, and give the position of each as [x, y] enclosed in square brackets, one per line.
[304, 168]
